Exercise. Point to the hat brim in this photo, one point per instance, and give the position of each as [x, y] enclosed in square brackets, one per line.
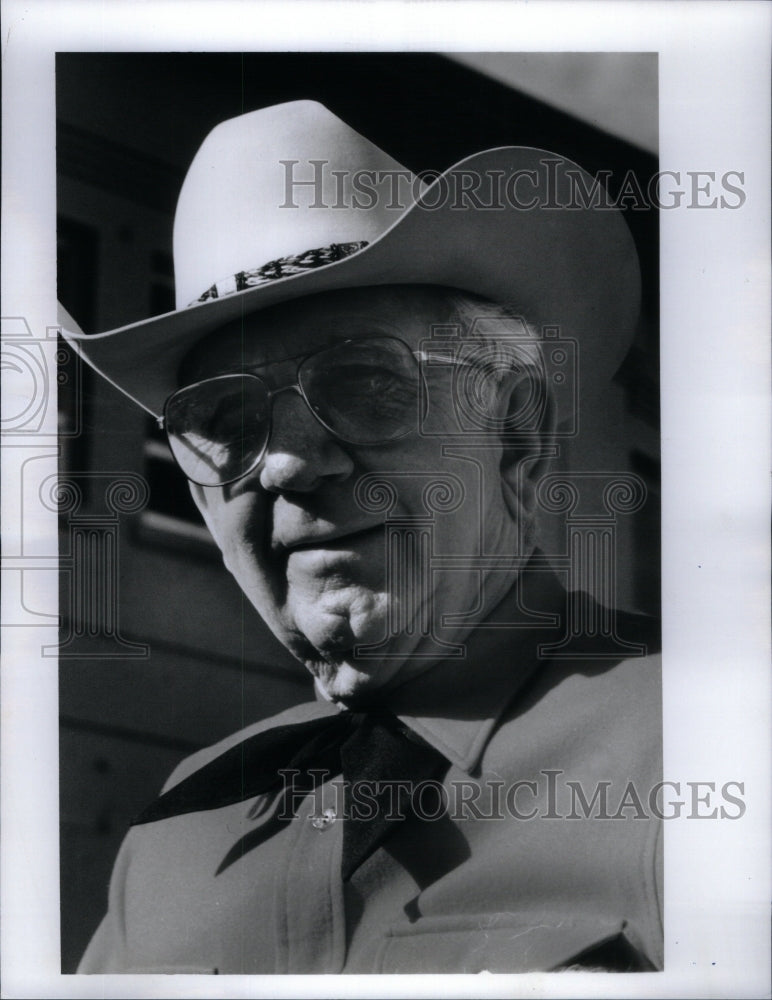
[572, 267]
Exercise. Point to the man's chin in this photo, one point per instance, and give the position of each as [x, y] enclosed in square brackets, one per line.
[349, 683]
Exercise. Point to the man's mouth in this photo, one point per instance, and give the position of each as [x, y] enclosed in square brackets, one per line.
[330, 540]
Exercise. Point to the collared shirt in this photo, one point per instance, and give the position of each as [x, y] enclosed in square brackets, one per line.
[538, 850]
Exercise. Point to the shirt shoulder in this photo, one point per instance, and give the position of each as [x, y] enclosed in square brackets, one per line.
[291, 716]
[595, 710]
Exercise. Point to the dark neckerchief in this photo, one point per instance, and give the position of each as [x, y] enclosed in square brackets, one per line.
[446, 714]
[375, 748]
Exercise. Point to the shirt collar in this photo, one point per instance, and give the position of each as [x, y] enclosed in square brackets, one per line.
[456, 705]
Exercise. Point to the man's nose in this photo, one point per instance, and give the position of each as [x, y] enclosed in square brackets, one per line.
[301, 454]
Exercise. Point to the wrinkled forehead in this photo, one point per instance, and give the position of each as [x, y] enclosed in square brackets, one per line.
[291, 329]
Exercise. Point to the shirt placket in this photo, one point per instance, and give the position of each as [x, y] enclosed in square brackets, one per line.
[309, 904]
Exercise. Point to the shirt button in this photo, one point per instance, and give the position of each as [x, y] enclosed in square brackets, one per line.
[324, 819]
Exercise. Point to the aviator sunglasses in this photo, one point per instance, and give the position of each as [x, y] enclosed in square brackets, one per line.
[364, 392]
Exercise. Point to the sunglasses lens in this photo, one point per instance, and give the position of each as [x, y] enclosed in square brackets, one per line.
[366, 392]
[218, 429]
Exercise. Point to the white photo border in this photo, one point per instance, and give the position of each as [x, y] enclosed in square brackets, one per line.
[714, 69]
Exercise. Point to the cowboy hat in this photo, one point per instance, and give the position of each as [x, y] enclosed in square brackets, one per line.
[290, 201]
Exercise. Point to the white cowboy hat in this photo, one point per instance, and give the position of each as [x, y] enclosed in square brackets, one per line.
[290, 201]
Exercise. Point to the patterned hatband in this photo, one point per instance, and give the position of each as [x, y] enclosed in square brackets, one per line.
[282, 267]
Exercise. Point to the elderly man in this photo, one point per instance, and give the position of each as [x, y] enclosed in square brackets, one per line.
[359, 399]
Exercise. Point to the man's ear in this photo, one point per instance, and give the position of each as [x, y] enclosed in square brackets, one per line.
[524, 462]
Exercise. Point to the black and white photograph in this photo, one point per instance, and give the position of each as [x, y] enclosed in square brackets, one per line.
[343, 500]
[399, 324]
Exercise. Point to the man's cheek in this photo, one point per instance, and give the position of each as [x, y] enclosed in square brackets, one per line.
[261, 574]
[238, 525]
[209, 502]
